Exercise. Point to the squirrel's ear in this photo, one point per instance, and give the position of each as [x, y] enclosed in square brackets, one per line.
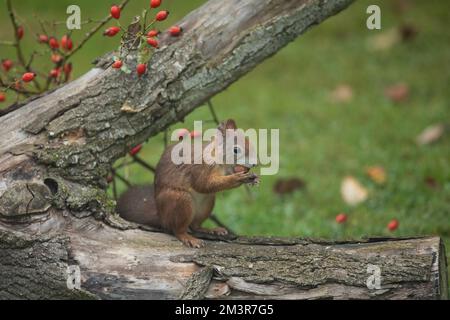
[227, 124]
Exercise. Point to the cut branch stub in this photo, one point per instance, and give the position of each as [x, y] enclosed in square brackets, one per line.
[25, 198]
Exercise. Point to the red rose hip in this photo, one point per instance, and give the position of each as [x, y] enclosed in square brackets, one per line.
[141, 68]
[56, 58]
[20, 32]
[153, 42]
[7, 64]
[67, 69]
[117, 64]
[134, 151]
[66, 43]
[341, 218]
[152, 33]
[393, 225]
[175, 31]
[155, 3]
[115, 12]
[28, 76]
[54, 73]
[162, 15]
[53, 43]
[43, 38]
[2, 97]
[111, 31]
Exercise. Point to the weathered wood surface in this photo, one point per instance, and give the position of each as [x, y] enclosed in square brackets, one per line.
[136, 264]
[56, 150]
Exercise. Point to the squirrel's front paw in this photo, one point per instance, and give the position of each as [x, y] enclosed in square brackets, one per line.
[245, 177]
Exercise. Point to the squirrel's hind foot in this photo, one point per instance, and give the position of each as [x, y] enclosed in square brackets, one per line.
[190, 241]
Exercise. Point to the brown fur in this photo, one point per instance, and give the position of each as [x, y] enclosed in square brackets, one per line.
[137, 204]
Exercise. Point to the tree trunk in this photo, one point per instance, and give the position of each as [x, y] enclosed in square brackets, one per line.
[56, 150]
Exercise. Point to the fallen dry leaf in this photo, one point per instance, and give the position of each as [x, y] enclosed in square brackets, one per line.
[385, 40]
[352, 191]
[289, 185]
[398, 92]
[377, 174]
[431, 134]
[343, 93]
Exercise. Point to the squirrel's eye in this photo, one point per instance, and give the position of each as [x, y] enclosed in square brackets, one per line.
[236, 150]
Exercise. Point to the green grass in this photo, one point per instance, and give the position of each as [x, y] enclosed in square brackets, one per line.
[321, 141]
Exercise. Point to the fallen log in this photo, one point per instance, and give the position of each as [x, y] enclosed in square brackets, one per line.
[137, 264]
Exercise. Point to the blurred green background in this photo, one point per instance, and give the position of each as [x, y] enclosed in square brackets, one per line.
[323, 139]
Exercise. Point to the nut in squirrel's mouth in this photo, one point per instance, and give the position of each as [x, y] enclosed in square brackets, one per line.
[241, 168]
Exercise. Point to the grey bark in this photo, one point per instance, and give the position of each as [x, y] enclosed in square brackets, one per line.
[57, 149]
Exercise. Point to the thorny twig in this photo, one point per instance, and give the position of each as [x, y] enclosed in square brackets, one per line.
[13, 88]
[65, 56]
[213, 112]
[144, 164]
[93, 31]
[16, 42]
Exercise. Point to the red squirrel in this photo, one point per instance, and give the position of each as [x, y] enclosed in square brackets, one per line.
[183, 195]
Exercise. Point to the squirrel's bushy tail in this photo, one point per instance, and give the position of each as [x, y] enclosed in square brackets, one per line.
[137, 204]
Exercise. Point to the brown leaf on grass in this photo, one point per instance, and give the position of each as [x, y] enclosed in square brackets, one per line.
[385, 40]
[289, 185]
[377, 174]
[431, 182]
[343, 93]
[352, 191]
[401, 6]
[431, 134]
[408, 32]
[398, 92]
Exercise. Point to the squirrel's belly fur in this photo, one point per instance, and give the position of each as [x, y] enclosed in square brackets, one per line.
[202, 204]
